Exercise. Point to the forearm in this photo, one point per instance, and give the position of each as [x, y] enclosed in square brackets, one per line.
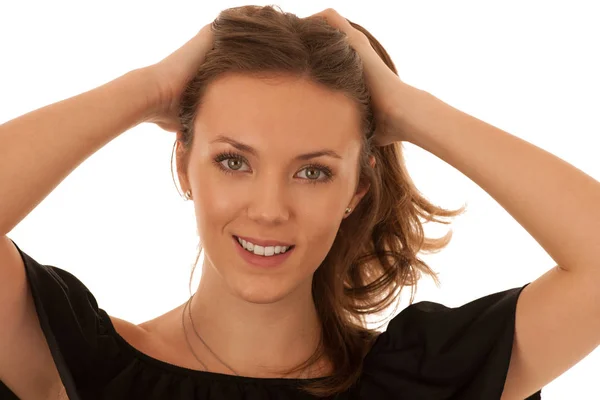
[558, 204]
[40, 149]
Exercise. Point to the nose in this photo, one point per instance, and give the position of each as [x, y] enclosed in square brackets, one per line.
[268, 201]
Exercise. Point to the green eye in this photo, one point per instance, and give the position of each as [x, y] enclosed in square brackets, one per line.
[234, 164]
[236, 161]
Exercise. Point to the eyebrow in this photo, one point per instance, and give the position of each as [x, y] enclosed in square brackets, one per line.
[248, 149]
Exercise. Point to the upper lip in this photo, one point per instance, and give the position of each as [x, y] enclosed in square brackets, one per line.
[263, 242]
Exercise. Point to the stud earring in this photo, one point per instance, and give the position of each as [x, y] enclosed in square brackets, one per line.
[348, 210]
[188, 195]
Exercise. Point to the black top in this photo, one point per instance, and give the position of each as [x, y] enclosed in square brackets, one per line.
[428, 351]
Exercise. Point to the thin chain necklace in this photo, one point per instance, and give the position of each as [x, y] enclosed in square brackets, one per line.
[186, 337]
[187, 305]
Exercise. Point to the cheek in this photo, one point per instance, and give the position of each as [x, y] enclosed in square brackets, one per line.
[216, 204]
[213, 203]
[319, 226]
[319, 209]
[319, 219]
[215, 195]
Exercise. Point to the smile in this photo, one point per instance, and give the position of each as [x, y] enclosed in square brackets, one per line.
[262, 256]
[266, 251]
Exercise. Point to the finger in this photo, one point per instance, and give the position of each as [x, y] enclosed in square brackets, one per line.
[334, 19]
[380, 140]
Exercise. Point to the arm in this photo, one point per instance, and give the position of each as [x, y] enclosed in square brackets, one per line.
[37, 151]
[558, 315]
[40, 149]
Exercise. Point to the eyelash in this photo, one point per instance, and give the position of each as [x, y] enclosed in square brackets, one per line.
[229, 155]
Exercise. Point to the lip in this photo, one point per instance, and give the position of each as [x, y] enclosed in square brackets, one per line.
[264, 242]
[261, 261]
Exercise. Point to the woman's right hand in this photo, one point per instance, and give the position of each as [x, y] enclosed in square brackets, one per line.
[172, 74]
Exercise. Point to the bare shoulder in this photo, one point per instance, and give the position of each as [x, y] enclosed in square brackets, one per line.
[157, 338]
[135, 335]
[148, 337]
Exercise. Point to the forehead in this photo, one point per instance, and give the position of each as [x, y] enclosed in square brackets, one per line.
[290, 111]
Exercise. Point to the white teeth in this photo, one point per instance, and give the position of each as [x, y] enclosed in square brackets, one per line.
[259, 250]
[265, 251]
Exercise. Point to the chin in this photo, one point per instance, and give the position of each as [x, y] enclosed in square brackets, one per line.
[268, 289]
[261, 295]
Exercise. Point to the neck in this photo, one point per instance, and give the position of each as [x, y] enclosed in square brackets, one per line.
[254, 339]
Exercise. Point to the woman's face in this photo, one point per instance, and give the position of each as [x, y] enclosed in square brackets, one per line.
[249, 178]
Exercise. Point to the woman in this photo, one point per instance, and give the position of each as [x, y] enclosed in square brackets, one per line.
[287, 133]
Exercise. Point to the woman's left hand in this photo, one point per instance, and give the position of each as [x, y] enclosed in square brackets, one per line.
[384, 85]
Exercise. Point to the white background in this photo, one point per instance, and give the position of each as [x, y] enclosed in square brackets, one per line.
[119, 224]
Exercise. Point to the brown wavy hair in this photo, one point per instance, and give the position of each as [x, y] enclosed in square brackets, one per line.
[375, 250]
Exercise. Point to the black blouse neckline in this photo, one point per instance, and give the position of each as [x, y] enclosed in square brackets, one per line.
[176, 369]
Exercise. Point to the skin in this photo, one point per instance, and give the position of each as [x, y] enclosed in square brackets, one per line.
[258, 320]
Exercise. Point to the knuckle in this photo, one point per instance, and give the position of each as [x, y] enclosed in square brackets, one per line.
[329, 13]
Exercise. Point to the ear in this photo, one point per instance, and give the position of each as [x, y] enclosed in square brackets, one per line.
[362, 189]
[181, 161]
